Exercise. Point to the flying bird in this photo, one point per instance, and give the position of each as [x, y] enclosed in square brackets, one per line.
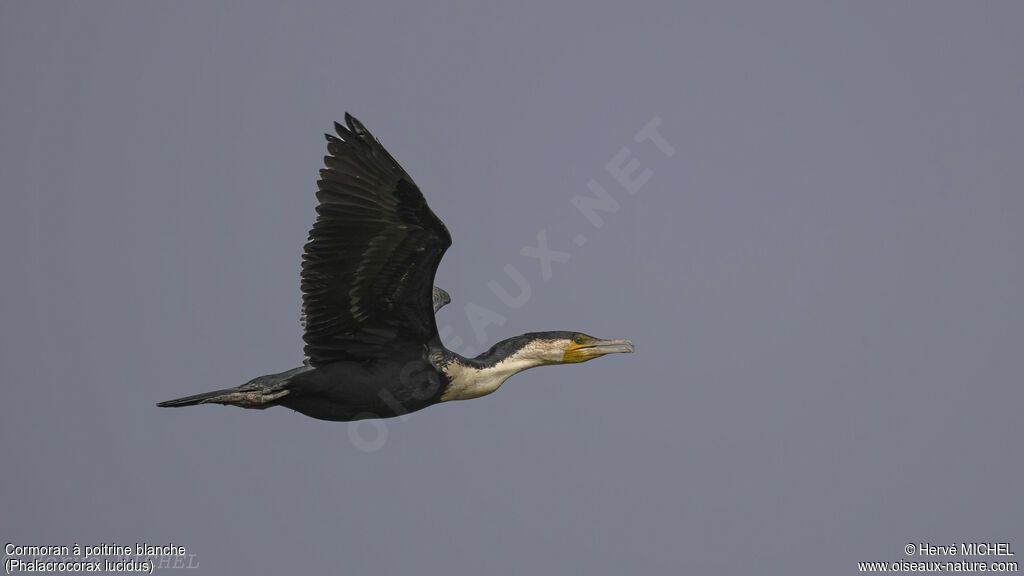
[369, 300]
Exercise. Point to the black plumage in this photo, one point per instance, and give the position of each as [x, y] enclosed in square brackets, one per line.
[369, 301]
[368, 268]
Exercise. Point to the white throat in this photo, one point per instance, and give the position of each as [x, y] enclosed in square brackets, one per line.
[471, 382]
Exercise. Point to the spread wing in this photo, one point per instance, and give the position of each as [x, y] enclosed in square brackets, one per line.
[368, 268]
[441, 299]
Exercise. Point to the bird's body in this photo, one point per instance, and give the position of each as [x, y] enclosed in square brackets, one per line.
[372, 345]
[354, 390]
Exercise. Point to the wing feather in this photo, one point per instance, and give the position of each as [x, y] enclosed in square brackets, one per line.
[369, 265]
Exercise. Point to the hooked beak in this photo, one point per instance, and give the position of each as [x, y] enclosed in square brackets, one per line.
[601, 347]
[595, 348]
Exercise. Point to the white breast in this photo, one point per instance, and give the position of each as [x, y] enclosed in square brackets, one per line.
[469, 382]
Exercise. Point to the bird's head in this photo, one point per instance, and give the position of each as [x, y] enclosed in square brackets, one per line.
[485, 373]
[571, 347]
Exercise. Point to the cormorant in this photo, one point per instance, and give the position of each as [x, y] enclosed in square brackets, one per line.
[368, 297]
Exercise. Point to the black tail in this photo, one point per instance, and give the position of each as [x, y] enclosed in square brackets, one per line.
[206, 397]
[259, 392]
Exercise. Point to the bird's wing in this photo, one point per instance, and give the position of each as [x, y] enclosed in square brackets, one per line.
[440, 296]
[368, 268]
[440, 299]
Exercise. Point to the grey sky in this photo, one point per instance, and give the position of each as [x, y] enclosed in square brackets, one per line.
[823, 282]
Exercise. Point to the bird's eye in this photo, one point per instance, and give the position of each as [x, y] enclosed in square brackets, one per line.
[578, 339]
